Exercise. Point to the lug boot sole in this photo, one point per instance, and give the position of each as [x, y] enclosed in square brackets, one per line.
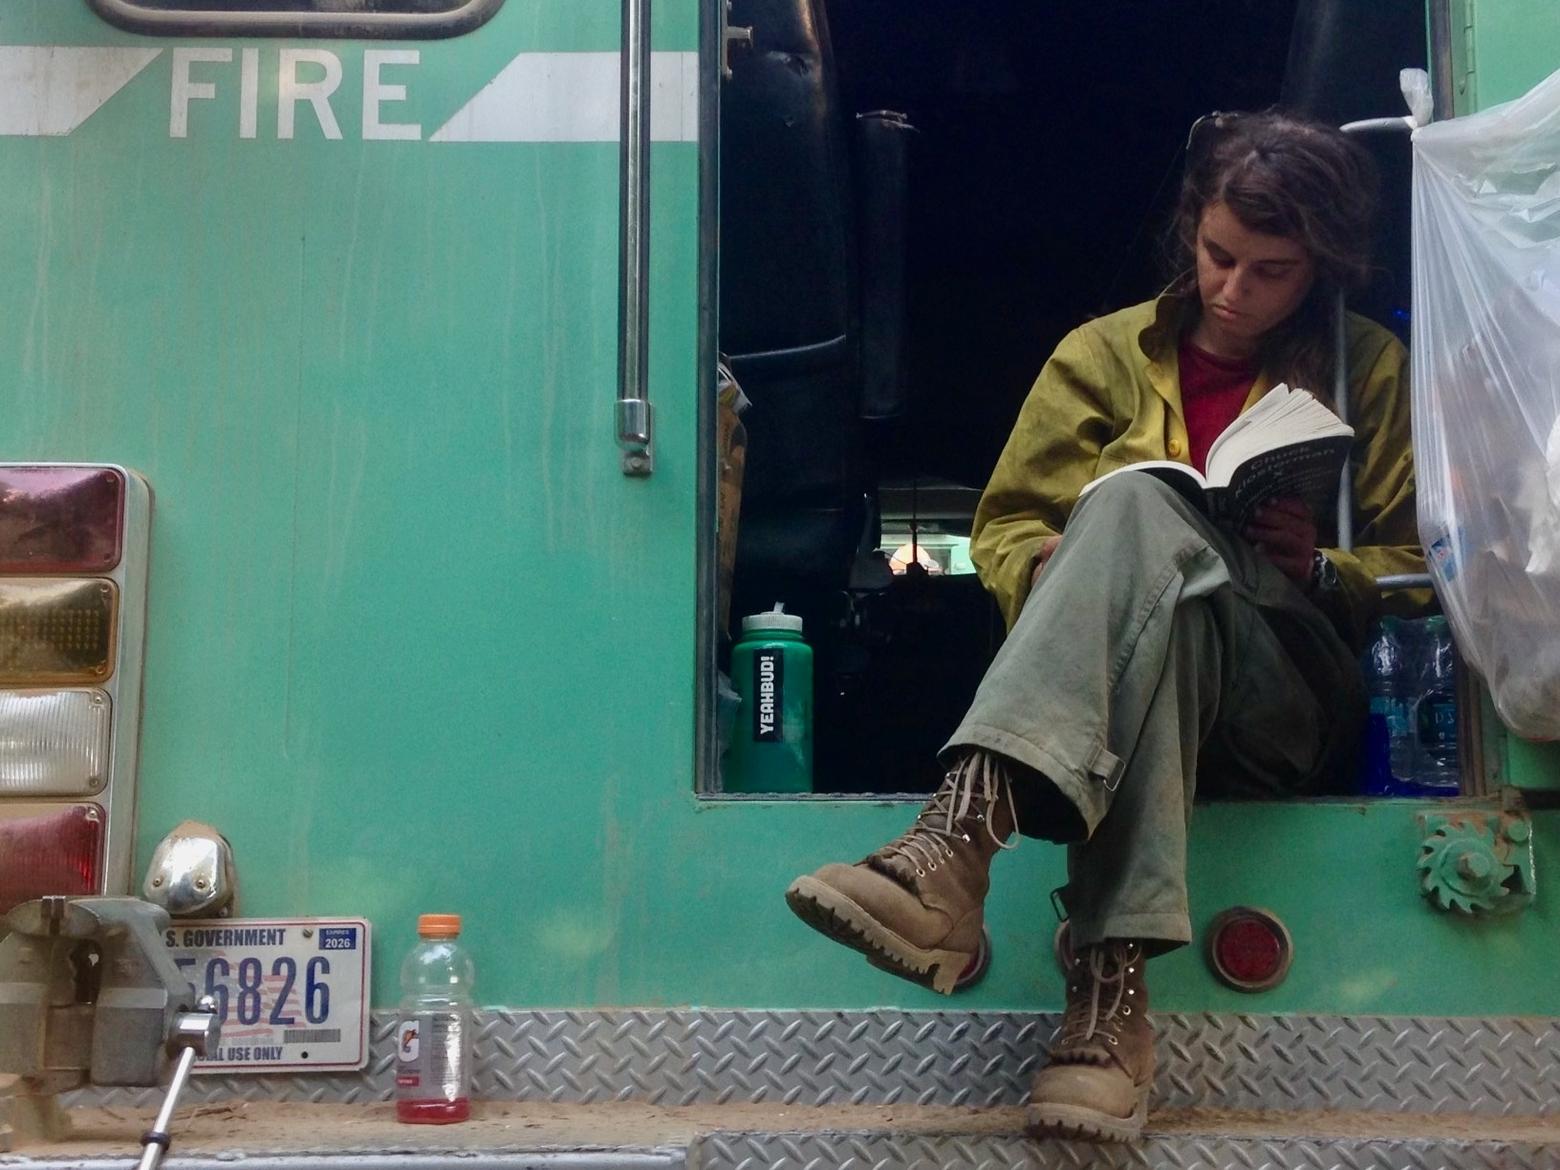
[831, 913]
[1079, 1122]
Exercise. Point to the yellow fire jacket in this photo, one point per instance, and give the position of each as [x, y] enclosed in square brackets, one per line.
[1111, 395]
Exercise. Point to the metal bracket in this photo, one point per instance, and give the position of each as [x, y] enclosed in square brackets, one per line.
[635, 422]
[731, 36]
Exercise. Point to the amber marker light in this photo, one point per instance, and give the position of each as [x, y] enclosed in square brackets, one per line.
[55, 631]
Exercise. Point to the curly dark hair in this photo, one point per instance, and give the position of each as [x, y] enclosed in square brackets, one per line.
[1285, 176]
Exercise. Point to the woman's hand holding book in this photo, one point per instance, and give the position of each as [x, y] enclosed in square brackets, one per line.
[1284, 531]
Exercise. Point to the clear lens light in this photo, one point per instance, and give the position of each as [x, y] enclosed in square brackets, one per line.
[56, 632]
[53, 743]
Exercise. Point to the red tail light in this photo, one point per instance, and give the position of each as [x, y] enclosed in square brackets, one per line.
[50, 850]
[56, 519]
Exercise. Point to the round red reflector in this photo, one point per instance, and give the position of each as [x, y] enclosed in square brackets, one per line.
[1249, 949]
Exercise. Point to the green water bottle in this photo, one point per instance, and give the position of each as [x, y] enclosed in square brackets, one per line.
[772, 670]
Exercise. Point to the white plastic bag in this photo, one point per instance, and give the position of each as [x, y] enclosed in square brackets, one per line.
[1486, 392]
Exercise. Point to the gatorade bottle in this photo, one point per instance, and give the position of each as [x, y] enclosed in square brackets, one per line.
[433, 1036]
[771, 668]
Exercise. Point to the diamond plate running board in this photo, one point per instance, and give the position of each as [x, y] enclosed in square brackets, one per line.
[780, 1137]
[1502, 1066]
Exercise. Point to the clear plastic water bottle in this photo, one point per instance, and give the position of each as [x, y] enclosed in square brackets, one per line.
[433, 1034]
[1436, 763]
[1388, 750]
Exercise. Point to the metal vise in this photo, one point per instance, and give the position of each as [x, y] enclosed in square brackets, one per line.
[88, 993]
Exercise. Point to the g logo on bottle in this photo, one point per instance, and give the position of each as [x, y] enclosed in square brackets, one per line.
[406, 1043]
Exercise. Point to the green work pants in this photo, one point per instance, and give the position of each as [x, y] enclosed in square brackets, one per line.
[1158, 652]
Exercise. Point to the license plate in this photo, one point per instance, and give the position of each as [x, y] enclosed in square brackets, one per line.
[292, 993]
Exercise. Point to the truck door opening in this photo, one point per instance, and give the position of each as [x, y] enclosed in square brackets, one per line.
[917, 200]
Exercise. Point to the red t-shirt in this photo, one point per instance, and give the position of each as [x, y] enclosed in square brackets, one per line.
[1213, 389]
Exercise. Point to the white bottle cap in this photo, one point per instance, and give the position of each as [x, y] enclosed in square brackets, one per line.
[773, 619]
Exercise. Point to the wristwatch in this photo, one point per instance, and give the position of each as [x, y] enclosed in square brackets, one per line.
[1324, 576]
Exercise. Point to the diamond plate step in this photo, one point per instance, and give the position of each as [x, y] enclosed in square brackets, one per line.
[894, 1152]
[1493, 1066]
[881, 1152]
[636, 1136]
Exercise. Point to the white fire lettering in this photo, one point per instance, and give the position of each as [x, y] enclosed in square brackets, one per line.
[303, 77]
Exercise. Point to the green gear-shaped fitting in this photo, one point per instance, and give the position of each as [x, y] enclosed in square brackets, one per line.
[1462, 870]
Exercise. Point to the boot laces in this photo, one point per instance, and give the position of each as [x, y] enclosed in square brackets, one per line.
[945, 816]
[1103, 1012]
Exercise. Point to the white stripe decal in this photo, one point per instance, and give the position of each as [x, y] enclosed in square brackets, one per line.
[573, 97]
[49, 90]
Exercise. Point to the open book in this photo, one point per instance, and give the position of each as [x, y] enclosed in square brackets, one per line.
[1288, 444]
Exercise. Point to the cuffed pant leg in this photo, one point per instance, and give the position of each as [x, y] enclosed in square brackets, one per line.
[1128, 880]
[1069, 691]
[1228, 680]
[1145, 636]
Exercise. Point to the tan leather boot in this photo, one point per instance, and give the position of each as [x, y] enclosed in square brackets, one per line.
[915, 906]
[1102, 1061]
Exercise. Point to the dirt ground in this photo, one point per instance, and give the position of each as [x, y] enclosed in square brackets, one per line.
[239, 1128]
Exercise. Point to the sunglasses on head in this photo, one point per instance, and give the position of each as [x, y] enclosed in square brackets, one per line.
[1208, 129]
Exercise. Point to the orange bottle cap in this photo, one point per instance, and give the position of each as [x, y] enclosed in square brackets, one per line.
[438, 925]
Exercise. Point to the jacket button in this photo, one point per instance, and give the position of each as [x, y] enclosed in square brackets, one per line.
[1175, 447]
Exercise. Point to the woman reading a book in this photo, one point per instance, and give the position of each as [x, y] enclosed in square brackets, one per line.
[1153, 651]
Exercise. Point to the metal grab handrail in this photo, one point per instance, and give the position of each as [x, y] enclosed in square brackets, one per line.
[634, 416]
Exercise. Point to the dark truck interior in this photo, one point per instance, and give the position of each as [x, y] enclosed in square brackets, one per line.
[918, 198]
